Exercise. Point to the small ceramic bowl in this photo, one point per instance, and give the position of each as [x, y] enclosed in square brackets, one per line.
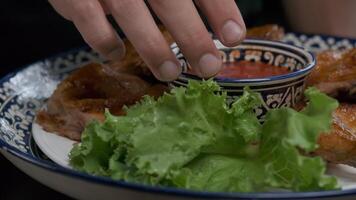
[276, 91]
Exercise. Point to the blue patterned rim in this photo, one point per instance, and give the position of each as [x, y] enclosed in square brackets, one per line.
[309, 57]
[160, 190]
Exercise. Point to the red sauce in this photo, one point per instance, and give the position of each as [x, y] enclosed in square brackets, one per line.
[247, 69]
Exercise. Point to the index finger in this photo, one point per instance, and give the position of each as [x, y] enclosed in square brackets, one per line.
[225, 19]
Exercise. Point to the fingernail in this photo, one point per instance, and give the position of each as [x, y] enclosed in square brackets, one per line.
[116, 54]
[209, 65]
[231, 32]
[169, 71]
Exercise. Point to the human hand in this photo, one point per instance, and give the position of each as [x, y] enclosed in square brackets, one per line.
[180, 18]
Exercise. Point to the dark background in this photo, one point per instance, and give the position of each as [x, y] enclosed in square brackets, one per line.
[31, 30]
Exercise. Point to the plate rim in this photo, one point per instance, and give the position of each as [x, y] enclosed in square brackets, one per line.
[46, 165]
[170, 190]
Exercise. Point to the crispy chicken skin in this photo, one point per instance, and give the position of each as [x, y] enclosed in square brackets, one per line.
[85, 94]
[339, 146]
[267, 32]
[335, 74]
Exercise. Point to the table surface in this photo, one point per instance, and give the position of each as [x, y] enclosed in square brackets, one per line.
[30, 30]
[14, 184]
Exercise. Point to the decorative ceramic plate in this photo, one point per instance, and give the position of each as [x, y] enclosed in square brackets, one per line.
[44, 156]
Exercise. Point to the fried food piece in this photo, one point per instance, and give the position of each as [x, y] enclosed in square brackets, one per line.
[339, 146]
[335, 74]
[86, 93]
[267, 32]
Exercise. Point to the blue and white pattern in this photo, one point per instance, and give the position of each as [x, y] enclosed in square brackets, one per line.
[24, 92]
[317, 43]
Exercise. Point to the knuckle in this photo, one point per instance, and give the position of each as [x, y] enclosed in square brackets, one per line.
[197, 38]
[152, 47]
[117, 6]
[159, 4]
[85, 10]
[154, 50]
[100, 41]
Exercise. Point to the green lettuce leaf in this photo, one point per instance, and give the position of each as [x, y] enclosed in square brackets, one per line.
[215, 172]
[191, 138]
[286, 132]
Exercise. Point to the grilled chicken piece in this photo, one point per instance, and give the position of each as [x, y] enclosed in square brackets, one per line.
[335, 74]
[267, 32]
[85, 94]
[339, 146]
